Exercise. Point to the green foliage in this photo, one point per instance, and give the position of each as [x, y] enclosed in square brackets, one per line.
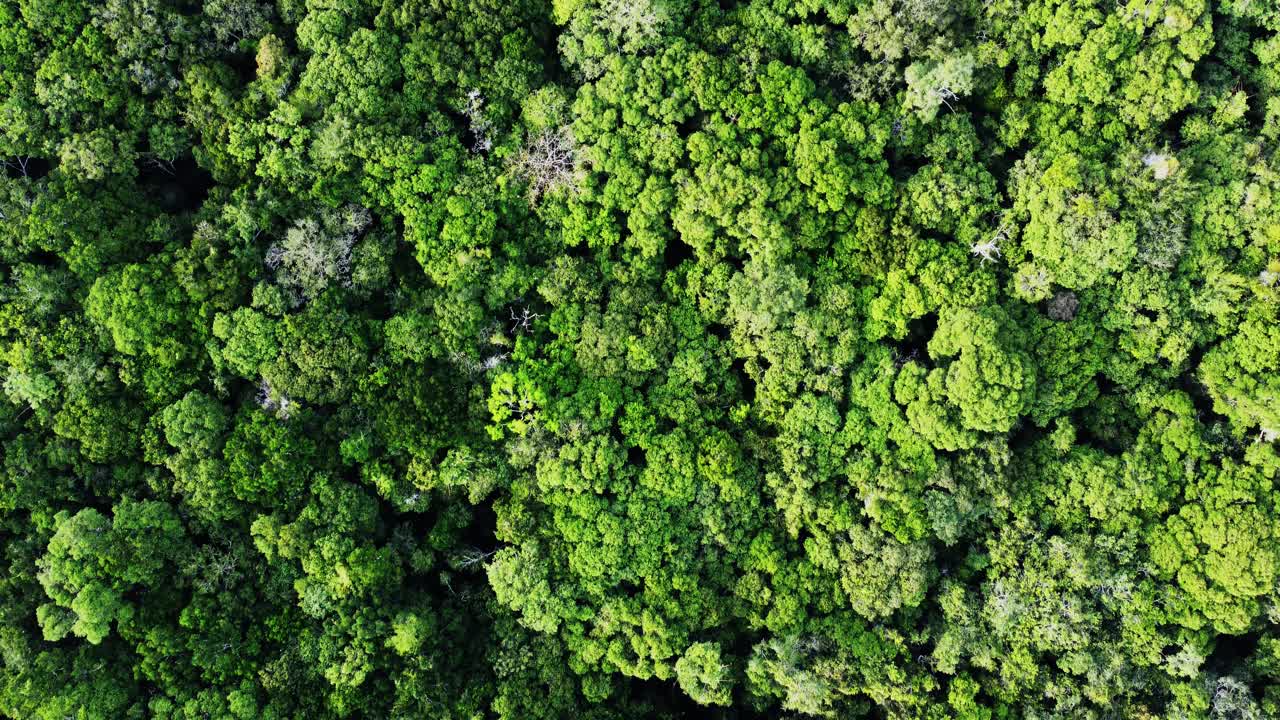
[92, 561]
[604, 359]
[934, 85]
[703, 675]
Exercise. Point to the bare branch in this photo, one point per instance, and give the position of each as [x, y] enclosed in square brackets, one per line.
[989, 249]
[549, 163]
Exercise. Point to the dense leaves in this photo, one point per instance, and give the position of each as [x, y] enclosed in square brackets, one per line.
[905, 359]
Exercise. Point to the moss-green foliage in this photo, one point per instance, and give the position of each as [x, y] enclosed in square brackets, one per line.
[910, 359]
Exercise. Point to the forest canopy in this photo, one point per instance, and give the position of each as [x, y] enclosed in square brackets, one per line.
[619, 359]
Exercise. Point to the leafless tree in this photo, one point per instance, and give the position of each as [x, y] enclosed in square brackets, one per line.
[1233, 700]
[634, 24]
[549, 162]
[273, 401]
[19, 163]
[159, 163]
[946, 96]
[316, 251]
[1063, 306]
[523, 321]
[469, 558]
[989, 249]
[493, 361]
[236, 20]
[481, 128]
[473, 367]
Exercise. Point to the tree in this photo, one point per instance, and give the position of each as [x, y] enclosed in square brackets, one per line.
[1239, 374]
[549, 163]
[701, 674]
[1221, 549]
[93, 560]
[931, 86]
[316, 252]
[612, 359]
